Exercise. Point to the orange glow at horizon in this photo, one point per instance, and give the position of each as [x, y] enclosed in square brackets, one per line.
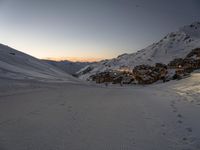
[74, 59]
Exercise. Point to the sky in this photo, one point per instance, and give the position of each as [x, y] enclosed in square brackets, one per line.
[89, 30]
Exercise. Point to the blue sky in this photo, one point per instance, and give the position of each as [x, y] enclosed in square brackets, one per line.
[90, 29]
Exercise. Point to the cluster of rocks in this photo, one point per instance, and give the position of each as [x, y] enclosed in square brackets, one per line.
[146, 74]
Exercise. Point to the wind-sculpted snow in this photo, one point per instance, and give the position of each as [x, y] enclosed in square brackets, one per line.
[175, 45]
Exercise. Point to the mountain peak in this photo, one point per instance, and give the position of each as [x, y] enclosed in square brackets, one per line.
[174, 45]
[192, 30]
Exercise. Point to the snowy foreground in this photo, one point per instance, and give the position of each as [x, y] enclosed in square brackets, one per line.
[78, 116]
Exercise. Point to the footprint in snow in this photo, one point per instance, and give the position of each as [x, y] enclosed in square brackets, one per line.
[184, 139]
[179, 115]
[69, 108]
[132, 140]
[163, 133]
[163, 125]
[189, 140]
[172, 104]
[189, 129]
[179, 121]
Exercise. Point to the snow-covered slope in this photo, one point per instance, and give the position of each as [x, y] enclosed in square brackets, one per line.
[175, 45]
[68, 66]
[82, 117]
[17, 65]
[189, 88]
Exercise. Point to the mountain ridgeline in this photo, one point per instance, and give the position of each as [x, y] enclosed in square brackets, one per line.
[173, 46]
[16, 65]
[68, 66]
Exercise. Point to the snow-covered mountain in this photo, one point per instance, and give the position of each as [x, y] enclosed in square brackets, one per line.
[68, 66]
[18, 65]
[174, 45]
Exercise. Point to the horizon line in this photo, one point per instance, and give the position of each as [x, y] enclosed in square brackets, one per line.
[74, 59]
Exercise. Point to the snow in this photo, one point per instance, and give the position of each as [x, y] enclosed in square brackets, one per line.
[39, 114]
[190, 88]
[17, 65]
[86, 117]
[175, 45]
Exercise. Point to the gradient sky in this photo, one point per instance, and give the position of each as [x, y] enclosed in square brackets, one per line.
[90, 29]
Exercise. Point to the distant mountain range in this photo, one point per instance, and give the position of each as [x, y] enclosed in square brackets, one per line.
[68, 66]
[174, 45]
